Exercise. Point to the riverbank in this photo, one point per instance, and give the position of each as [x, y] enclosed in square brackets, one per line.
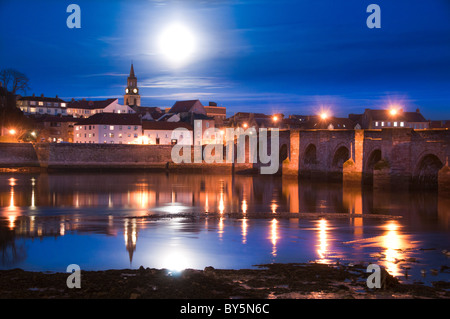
[271, 281]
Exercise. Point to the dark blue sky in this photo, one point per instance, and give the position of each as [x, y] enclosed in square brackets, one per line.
[289, 56]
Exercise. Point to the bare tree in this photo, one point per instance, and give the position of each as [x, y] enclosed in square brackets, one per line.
[14, 81]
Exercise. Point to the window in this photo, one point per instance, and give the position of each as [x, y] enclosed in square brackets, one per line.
[63, 104]
[395, 124]
[135, 135]
[135, 128]
[76, 128]
[111, 128]
[207, 124]
[105, 127]
[41, 103]
[376, 123]
[90, 127]
[120, 127]
[111, 135]
[120, 135]
[104, 135]
[129, 127]
[382, 123]
[402, 124]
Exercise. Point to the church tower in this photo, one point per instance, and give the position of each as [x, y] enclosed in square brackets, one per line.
[132, 97]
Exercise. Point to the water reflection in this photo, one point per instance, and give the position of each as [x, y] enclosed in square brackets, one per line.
[65, 205]
[322, 227]
[394, 243]
[274, 236]
[244, 230]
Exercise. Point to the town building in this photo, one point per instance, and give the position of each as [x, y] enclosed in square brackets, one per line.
[87, 108]
[31, 105]
[393, 118]
[55, 129]
[109, 128]
[256, 120]
[160, 133]
[193, 112]
[329, 123]
[219, 113]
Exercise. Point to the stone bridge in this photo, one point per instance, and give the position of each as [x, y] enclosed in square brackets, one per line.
[400, 156]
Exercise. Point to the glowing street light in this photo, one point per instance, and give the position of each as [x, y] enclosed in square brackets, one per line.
[33, 134]
[393, 112]
[245, 125]
[323, 115]
[275, 118]
[12, 131]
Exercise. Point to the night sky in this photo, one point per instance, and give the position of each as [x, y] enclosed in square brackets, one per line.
[287, 56]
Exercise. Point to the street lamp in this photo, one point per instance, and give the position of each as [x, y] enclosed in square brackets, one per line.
[393, 112]
[323, 115]
[275, 118]
[245, 125]
[12, 131]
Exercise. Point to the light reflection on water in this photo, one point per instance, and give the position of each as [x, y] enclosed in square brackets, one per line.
[88, 213]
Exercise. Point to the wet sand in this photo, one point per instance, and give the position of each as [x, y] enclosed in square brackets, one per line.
[271, 281]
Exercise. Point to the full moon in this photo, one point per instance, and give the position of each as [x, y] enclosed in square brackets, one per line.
[177, 44]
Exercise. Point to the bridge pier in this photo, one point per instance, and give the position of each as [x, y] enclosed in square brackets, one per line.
[444, 181]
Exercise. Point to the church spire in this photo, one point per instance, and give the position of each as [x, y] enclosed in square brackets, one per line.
[132, 71]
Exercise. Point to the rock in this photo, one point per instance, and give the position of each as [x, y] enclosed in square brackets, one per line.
[208, 269]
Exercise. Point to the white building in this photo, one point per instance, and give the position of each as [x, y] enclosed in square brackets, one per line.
[109, 128]
[160, 133]
[31, 105]
[86, 108]
[115, 107]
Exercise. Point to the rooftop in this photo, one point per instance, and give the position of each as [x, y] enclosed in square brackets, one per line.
[86, 104]
[111, 119]
[162, 126]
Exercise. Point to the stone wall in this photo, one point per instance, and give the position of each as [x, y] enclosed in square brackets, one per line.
[18, 155]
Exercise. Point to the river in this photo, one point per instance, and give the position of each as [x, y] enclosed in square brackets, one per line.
[103, 221]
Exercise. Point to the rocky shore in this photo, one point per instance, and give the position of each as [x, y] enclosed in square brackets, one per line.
[271, 281]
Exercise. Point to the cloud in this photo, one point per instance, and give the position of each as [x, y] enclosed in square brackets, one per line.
[172, 82]
[104, 74]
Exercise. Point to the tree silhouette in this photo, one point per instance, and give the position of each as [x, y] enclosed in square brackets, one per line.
[14, 81]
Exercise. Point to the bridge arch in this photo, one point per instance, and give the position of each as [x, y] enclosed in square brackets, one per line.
[341, 155]
[283, 153]
[374, 157]
[310, 156]
[426, 171]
